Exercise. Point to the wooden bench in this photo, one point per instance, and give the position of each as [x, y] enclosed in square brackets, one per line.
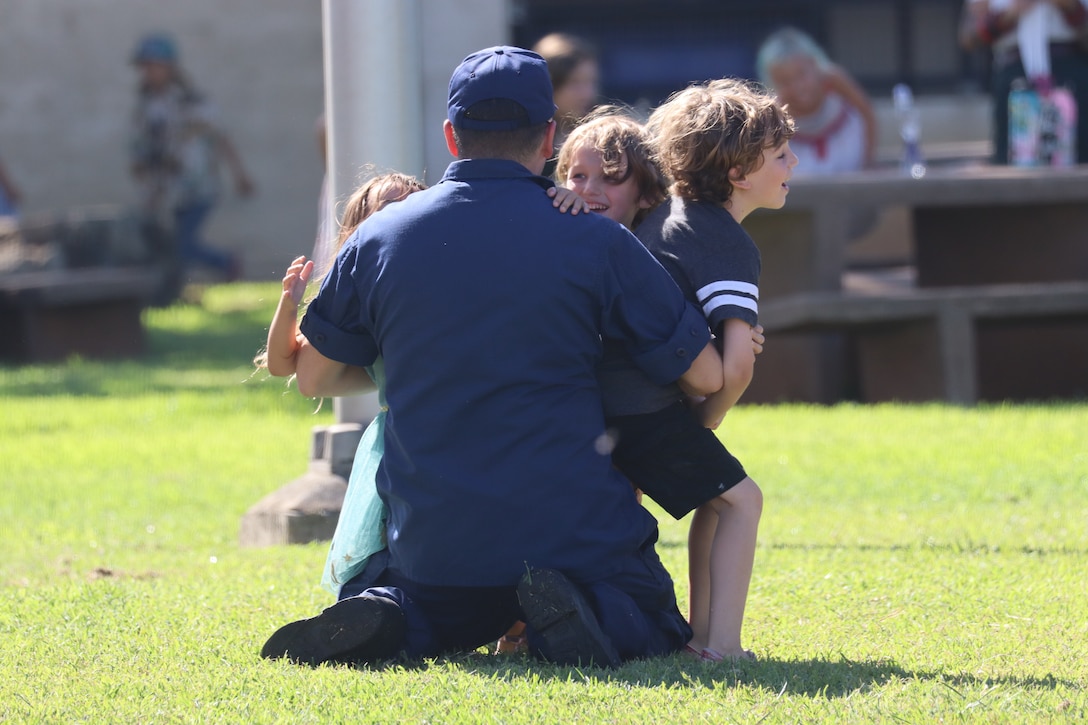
[936, 343]
[91, 311]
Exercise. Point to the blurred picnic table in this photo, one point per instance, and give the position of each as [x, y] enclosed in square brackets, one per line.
[971, 228]
[76, 283]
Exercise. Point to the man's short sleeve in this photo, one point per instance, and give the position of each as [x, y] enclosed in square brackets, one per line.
[647, 313]
[336, 320]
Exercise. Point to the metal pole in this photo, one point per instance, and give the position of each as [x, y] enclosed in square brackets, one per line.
[373, 58]
[377, 76]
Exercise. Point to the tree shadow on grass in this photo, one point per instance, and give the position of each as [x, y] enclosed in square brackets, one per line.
[824, 678]
[212, 357]
[187, 346]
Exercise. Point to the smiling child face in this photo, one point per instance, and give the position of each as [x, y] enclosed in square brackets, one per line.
[616, 198]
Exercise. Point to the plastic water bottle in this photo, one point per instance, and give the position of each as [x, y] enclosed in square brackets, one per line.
[910, 130]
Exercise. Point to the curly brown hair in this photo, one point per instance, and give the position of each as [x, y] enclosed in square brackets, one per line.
[625, 152]
[374, 194]
[705, 131]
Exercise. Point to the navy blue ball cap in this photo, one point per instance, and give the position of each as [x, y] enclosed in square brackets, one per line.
[501, 72]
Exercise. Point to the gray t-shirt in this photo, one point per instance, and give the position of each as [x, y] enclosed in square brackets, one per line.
[715, 263]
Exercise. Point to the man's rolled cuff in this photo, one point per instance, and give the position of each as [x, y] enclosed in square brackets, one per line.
[335, 344]
[665, 363]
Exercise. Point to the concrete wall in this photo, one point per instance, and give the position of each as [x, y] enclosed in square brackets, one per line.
[66, 91]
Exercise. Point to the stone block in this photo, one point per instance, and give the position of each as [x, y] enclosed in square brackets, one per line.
[307, 508]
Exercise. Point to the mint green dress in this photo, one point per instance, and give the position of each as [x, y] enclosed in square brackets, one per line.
[360, 531]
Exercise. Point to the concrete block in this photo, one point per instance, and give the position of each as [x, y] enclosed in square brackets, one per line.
[307, 508]
[304, 510]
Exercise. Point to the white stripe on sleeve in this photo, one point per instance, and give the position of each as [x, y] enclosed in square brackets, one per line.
[704, 293]
[735, 300]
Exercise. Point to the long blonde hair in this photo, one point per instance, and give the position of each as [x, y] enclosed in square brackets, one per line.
[373, 195]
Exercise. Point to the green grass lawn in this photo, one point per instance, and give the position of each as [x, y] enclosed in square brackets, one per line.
[916, 563]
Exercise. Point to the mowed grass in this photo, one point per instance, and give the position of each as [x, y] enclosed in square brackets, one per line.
[916, 563]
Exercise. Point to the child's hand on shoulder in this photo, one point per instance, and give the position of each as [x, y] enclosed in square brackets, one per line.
[298, 275]
[565, 199]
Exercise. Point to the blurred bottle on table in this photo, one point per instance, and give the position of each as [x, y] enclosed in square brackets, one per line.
[910, 131]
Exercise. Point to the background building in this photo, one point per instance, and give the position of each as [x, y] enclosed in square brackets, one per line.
[649, 48]
[66, 86]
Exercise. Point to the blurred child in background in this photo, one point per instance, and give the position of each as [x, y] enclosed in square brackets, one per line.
[177, 146]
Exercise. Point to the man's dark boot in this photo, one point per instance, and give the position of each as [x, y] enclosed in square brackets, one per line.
[359, 629]
[567, 628]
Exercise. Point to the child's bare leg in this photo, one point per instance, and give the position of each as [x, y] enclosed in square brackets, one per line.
[704, 524]
[731, 554]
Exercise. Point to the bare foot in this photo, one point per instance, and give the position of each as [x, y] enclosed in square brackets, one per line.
[713, 655]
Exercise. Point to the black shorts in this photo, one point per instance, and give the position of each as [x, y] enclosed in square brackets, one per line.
[673, 459]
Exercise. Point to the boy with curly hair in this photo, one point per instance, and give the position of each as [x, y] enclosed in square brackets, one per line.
[725, 145]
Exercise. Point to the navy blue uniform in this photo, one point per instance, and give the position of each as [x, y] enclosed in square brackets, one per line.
[488, 308]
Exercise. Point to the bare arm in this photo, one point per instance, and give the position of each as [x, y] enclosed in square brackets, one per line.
[242, 183]
[738, 364]
[288, 352]
[974, 17]
[840, 81]
[705, 374]
[283, 336]
[321, 377]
